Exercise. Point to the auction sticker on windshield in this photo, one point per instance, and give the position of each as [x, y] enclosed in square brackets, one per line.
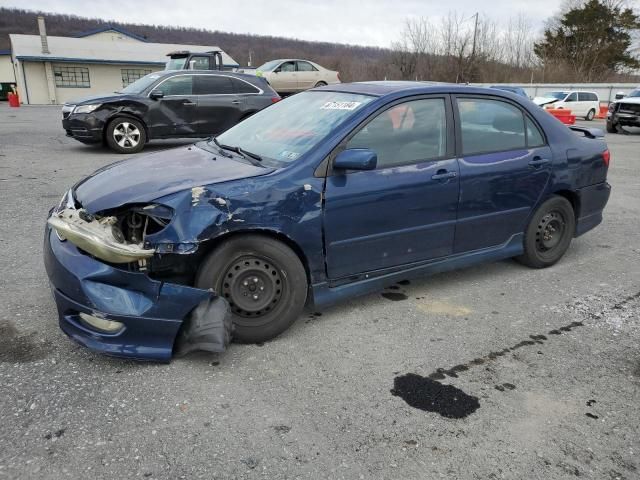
[340, 105]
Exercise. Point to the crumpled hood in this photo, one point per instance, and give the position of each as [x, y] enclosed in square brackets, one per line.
[145, 178]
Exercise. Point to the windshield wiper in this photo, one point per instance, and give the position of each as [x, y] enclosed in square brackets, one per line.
[254, 158]
[244, 152]
[221, 148]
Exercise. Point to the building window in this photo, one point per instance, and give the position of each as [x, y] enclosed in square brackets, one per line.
[71, 77]
[130, 75]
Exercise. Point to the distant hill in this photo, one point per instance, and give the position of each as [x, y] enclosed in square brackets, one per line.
[354, 62]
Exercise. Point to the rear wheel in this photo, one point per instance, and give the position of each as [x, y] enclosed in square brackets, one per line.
[590, 115]
[126, 135]
[549, 233]
[262, 279]
[321, 84]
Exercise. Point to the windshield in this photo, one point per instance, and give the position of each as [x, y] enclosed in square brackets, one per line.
[141, 84]
[634, 93]
[290, 128]
[267, 67]
[176, 63]
[556, 95]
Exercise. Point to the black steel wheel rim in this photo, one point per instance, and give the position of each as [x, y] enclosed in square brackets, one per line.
[253, 286]
[550, 232]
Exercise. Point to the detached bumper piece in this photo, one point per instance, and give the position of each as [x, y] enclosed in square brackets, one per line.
[128, 314]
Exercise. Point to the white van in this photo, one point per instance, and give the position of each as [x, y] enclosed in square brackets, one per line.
[581, 104]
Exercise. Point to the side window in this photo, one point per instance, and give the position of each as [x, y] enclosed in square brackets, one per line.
[534, 135]
[490, 126]
[199, 63]
[243, 87]
[306, 67]
[287, 67]
[593, 97]
[572, 98]
[180, 85]
[410, 132]
[212, 85]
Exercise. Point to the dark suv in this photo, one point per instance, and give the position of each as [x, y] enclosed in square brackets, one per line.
[170, 104]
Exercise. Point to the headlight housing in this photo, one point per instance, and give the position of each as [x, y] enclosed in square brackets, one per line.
[86, 108]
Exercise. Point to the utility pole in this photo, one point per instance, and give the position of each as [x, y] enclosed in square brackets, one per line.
[475, 36]
[473, 49]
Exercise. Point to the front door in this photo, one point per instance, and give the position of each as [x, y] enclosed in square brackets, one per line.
[505, 165]
[219, 107]
[172, 114]
[404, 211]
[285, 78]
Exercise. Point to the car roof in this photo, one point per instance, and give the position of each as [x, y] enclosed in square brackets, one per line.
[388, 87]
[228, 73]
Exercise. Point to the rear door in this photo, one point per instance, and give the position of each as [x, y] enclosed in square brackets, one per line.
[404, 211]
[505, 164]
[173, 114]
[219, 106]
[308, 75]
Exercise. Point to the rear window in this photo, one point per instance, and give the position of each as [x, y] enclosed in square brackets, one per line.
[240, 86]
[490, 126]
[212, 85]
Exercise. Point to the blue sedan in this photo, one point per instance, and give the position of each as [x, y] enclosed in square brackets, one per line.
[331, 193]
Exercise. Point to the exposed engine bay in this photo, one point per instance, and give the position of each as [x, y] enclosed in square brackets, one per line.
[118, 237]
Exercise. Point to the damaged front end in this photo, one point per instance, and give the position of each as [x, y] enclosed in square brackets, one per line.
[108, 301]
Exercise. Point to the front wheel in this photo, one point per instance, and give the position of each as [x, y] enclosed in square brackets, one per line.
[549, 233]
[126, 135]
[590, 115]
[264, 282]
[611, 127]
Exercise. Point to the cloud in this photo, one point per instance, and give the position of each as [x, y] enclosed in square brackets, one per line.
[362, 22]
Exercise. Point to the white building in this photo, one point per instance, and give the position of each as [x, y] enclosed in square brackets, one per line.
[7, 77]
[53, 70]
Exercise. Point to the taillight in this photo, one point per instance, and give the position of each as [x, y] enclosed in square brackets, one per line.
[338, 75]
[606, 156]
[275, 99]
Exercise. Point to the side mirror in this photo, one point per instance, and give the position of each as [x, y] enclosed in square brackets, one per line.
[356, 159]
[156, 94]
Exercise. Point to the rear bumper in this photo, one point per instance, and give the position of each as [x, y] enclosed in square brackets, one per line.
[151, 311]
[593, 199]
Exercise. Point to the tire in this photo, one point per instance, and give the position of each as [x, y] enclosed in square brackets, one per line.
[126, 135]
[549, 233]
[590, 115]
[320, 84]
[249, 266]
[611, 127]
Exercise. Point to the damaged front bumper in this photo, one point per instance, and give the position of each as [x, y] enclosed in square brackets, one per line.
[151, 313]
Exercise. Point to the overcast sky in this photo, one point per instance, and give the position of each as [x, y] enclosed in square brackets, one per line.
[362, 22]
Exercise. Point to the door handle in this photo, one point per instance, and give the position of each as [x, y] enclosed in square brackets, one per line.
[236, 102]
[187, 103]
[538, 162]
[443, 175]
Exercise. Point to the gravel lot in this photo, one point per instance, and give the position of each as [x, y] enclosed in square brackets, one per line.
[543, 366]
